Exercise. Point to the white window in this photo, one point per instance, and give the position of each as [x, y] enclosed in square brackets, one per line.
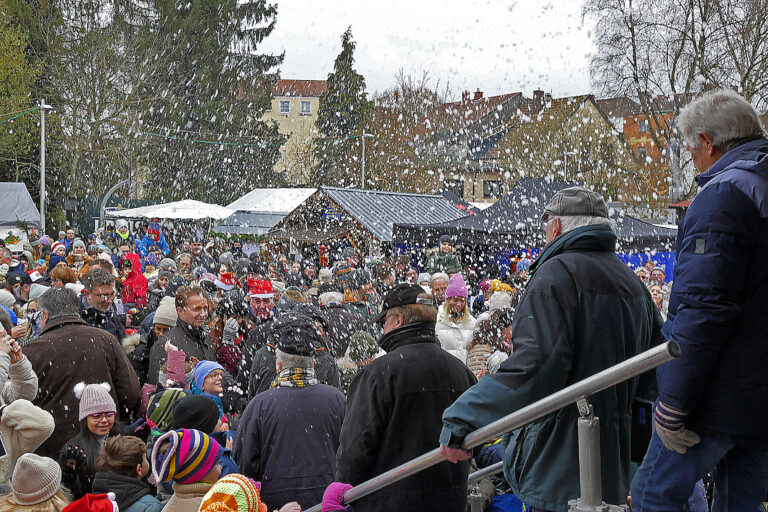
[642, 152]
[306, 107]
[643, 126]
[456, 186]
[285, 107]
[491, 188]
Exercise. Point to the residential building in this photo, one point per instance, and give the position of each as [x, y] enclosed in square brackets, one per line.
[294, 108]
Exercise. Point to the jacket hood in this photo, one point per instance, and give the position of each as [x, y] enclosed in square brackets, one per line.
[407, 335]
[128, 490]
[751, 156]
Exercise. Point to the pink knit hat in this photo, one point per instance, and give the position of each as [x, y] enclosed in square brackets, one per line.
[456, 287]
[94, 398]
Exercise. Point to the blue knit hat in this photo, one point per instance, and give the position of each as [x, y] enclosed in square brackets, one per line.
[203, 369]
[54, 260]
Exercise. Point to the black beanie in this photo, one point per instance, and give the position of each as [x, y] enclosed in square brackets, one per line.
[196, 412]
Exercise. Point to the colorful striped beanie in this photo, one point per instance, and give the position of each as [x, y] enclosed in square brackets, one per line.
[190, 455]
[160, 408]
[233, 493]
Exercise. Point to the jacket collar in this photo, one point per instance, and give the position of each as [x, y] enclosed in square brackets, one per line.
[408, 335]
[196, 333]
[63, 320]
[752, 152]
[585, 238]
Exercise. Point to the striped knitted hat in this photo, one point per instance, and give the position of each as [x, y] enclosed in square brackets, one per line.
[190, 455]
[160, 408]
[233, 493]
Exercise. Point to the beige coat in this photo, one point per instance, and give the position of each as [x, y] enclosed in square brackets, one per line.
[19, 378]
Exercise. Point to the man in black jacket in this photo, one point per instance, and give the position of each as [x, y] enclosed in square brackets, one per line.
[190, 334]
[97, 303]
[394, 408]
[342, 323]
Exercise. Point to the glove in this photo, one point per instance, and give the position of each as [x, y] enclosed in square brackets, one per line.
[670, 426]
[72, 459]
[334, 496]
[230, 331]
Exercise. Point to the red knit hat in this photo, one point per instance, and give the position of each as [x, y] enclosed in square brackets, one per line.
[226, 281]
[260, 288]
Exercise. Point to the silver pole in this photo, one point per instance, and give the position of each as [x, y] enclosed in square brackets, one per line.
[625, 370]
[42, 167]
[363, 138]
[590, 478]
[487, 471]
[565, 154]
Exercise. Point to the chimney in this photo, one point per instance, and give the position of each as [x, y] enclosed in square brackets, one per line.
[465, 97]
[478, 95]
[537, 102]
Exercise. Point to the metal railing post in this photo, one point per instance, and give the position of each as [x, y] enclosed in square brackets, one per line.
[625, 370]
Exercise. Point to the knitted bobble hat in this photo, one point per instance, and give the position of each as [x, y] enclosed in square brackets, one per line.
[94, 398]
[184, 456]
[160, 408]
[456, 287]
[233, 493]
[35, 479]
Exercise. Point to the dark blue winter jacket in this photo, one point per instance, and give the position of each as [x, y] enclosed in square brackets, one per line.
[147, 242]
[718, 308]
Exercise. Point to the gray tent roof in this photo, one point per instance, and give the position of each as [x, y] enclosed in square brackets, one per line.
[378, 211]
[16, 204]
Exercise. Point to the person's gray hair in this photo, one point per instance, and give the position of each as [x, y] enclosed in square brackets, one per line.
[571, 222]
[440, 275]
[59, 302]
[97, 277]
[723, 115]
[331, 298]
[294, 361]
[184, 255]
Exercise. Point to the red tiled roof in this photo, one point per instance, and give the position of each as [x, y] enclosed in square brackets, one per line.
[300, 88]
[618, 107]
[473, 110]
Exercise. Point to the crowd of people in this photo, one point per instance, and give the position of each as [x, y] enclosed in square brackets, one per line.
[149, 375]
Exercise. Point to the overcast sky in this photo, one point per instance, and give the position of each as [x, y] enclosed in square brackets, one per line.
[496, 46]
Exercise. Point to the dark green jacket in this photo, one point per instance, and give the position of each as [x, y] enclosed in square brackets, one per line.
[583, 311]
[441, 262]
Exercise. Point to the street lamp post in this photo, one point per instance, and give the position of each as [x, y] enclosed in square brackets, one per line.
[43, 108]
[363, 136]
[567, 154]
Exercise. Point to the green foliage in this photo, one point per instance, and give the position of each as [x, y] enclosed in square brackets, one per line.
[344, 107]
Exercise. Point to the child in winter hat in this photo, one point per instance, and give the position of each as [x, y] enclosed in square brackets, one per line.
[186, 457]
[36, 485]
[94, 398]
[233, 493]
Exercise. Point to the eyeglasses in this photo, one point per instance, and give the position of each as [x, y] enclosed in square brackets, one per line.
[216, 375]
[105, 297]
[99, 415]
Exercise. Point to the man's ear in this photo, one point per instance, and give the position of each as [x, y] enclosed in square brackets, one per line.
[708, 142]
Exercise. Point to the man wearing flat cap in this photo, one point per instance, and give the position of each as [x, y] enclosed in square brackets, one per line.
[289, 435]
[394, 407]
[582, 312]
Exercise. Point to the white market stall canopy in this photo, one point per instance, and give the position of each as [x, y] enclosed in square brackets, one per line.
[185, 209]
[272, 199]
[16, 205]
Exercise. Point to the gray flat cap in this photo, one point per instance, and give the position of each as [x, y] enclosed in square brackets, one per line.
[575, 201]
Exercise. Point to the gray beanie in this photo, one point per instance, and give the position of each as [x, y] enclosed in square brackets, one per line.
[35, 479]
[78, 243]
[166, 312]
[7, 299]
[424, 277]
[168, 264]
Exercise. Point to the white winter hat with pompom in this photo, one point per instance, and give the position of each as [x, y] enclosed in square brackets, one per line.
[94, 398]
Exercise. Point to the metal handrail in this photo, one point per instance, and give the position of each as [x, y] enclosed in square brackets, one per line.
[616, 374]
[486, 471]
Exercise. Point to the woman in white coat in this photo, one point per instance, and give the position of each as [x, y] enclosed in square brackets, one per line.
[454, 322]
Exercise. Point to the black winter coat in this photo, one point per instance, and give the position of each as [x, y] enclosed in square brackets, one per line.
[140, 355]
[342, 324]
[194, 342]
[106, 320]
[288, 439]
[263, 372]
[128, 490]
[393, 414]
[263, 333]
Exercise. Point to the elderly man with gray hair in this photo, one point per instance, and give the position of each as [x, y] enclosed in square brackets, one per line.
[289, 434]
[713, 400]
[583, 311]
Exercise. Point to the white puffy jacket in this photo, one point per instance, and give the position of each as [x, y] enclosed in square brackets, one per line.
[454, 337]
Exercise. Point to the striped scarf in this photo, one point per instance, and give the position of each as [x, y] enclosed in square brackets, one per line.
[295, 378]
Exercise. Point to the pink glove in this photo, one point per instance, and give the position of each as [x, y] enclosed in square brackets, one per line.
[333, 497]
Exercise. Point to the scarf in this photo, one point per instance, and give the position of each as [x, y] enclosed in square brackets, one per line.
[123, 236]
[295, 378]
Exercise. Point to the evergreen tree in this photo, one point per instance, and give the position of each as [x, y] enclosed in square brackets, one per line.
[213, 87]
[344, 107]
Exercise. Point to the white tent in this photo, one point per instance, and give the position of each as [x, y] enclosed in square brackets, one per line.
[185, 209]
[272, 199]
